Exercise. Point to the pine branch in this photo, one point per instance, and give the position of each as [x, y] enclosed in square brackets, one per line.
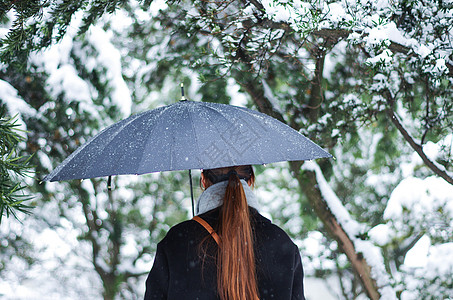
[30, 33]
[13, 168]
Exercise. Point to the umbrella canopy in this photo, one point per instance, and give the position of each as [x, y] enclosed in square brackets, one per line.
[183, 136]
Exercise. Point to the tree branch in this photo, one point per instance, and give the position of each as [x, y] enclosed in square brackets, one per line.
[264, 105]
[309, 184]
[316, 95]
[394, 47]
[418, 148]
[408, 244]
[258, 5]
[92, 230]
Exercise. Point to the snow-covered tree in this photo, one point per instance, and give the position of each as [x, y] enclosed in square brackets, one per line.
[369, 80]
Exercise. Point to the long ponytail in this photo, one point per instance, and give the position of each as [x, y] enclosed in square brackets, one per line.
[236, 270]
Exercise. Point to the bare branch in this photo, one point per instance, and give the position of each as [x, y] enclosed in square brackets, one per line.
[332, 33]
[407, 245]
[418, 148]
[92, 229]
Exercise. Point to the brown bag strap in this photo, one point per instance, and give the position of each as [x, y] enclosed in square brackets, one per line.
[208, 227]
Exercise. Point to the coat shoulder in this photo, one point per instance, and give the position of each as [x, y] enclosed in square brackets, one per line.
[180, 230]
[180, 234]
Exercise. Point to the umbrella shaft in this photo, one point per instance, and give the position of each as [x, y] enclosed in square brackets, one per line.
[191, 193]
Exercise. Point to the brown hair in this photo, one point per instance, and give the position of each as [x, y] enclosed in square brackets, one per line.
[236, 270]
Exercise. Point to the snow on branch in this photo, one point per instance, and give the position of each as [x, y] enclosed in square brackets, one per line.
[353, 229]
[436, 168]
[15, 105]
[372, 25]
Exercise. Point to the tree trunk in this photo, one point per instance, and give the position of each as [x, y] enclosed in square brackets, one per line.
[308, 184]
[110, 287]
[316, 96]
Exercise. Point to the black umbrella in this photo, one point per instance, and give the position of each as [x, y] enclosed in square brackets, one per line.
[183, 136]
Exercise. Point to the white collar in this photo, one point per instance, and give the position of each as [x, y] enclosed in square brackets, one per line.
[213, 196]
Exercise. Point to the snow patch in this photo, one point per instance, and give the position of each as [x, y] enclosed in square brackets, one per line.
[15, 105]
[420, 196]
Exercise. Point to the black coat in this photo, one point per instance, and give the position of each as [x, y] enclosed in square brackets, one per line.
[177, 271]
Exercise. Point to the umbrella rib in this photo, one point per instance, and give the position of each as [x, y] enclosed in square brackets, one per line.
[264, 117]
[270, 119]
[194, 132]
[307, 140]
[242, 110]
[121, 125]
[137, 117]
[165, 108]
[256, 114]
[172, 147]
[223, 116]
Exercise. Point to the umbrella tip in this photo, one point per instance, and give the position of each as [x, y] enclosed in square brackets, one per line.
[109, 183]
[183, 98]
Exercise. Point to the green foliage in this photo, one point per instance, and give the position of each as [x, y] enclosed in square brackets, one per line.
[39, 24]
[323, 76]
[13, 167]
